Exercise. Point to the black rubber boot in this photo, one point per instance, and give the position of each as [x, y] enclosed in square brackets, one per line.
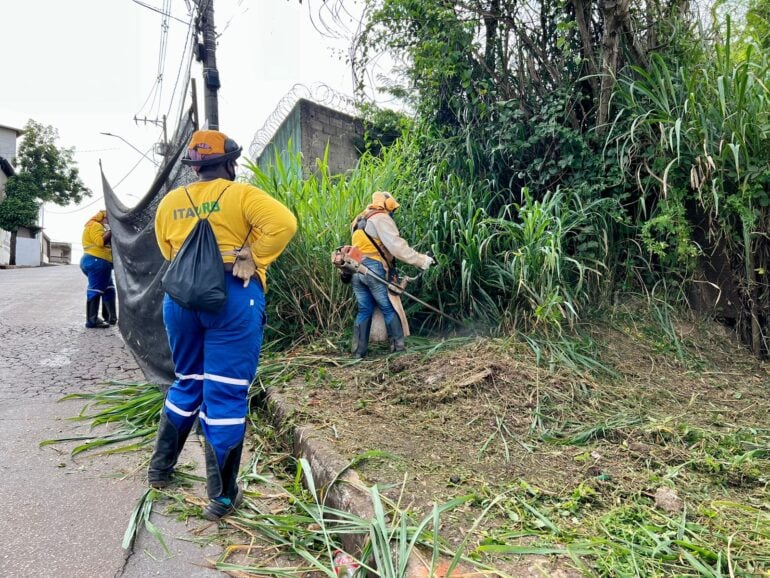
[396, 335]
[93, 321]
[109, 311]
[361, 338]
[168, 446]
[222, 483]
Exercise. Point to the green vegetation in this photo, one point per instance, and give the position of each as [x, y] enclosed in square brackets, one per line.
[539, 204]
[45, 173]
[558, 466]
[561, 161]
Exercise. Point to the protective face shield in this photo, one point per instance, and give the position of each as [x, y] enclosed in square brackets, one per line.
[211, 147]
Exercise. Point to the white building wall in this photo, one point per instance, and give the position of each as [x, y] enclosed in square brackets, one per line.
[28, 251]
[5, 236]
[7, 143]
[8, 151]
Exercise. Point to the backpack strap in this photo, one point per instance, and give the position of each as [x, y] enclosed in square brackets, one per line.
[189, 198]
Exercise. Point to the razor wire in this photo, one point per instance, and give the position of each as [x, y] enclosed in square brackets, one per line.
[318, 93]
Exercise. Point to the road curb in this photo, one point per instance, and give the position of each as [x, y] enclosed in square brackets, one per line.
[342, 491]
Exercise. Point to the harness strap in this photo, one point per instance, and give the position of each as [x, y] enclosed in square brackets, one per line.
[389, 263]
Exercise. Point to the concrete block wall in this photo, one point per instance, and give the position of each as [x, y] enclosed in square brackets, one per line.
[321, 127]
[310, 128]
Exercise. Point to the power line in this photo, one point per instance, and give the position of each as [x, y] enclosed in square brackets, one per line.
[159, 11]
[79, 209]
[162, 52]
[100, 197]
[179, 70]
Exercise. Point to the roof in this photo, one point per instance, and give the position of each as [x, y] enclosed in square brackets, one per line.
[18, 131]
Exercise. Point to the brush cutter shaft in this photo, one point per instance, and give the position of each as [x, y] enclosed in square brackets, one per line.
[356, 267]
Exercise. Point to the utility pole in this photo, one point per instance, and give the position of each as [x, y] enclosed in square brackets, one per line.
[195, 115]
[163, 147]
[206, 54]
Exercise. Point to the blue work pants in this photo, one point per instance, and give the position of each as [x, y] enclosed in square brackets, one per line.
[215, 358]
[100, 281]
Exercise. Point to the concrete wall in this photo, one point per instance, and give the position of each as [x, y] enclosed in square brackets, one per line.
[322, 126]
[8, 143]
[8, 151]
[27, 252]
[286, 141]
[310, 128]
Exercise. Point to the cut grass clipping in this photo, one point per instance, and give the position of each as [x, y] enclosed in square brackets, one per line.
[133, 407]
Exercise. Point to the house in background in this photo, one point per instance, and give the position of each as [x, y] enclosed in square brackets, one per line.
[60, 253]
[8, 136]
[30, 246]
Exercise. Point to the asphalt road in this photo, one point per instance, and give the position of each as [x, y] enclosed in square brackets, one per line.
[63, 516]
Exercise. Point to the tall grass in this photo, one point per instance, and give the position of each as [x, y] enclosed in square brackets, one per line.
[693, 137]
[531, 264]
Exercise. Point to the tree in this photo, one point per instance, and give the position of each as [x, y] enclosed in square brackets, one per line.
[45, 173]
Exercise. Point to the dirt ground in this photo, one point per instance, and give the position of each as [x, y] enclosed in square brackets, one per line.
[480, 417]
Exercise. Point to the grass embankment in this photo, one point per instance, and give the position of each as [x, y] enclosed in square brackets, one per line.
[657, 464]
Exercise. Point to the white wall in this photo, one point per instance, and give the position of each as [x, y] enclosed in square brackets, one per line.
[8, 151]
[5, 236]
[7, 143]
[28, 252]
[5, 247]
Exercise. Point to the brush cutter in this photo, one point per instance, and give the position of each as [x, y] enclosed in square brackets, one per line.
[350, 259]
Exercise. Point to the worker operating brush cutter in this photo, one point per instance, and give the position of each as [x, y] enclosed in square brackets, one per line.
[369, 265]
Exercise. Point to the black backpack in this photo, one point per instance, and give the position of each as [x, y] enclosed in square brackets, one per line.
[195, 279]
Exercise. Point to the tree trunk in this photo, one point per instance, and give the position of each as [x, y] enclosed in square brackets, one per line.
[490, 24]
[614, 13]
[12, 257]
[583, 20]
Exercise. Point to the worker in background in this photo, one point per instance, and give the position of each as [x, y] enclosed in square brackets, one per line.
[375, 233]
[96, 264]
[215, 355]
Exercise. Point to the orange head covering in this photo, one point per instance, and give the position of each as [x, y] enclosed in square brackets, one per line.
[382, 200]
[99, 217]
[210, 147]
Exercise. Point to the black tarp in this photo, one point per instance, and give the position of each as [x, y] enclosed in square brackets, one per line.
[139, 265]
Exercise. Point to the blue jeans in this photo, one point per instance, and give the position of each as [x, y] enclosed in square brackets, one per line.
[371, 293]
[215, 359]
[99, 273]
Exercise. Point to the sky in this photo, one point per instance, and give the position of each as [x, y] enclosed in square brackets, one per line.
[88, 67]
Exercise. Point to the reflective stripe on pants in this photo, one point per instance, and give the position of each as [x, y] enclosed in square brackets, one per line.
[215, 357]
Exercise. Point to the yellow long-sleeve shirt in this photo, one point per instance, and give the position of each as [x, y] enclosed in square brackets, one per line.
[93, 241]
[240, 207]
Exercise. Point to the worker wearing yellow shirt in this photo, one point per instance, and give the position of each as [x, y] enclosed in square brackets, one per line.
[375, 234]
[96, 264]
[215, 355]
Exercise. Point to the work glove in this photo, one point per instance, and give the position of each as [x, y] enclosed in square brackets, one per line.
[244, 267]
[427, 262]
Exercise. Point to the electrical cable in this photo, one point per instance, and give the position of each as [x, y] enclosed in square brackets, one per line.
[162, 51]
[187, 43]
[154, 9]
[100, 197]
